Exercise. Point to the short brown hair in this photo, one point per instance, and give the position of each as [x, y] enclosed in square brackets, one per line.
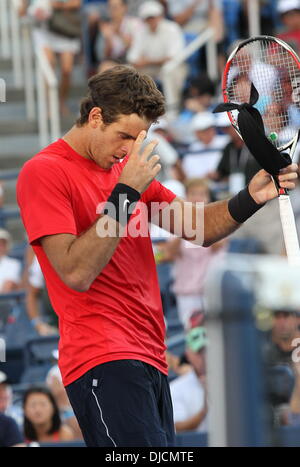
[122, 90]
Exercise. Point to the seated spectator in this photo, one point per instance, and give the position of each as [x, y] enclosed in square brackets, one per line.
[6, 400]
[289, 11]
[159, 41]
[118, 32]
[198, 98]
[278, 351]
[55, 385]
[42, 422]
[37, 298]
[204, 155]
[10, 435]
[195, 15]
[10, 269]
[188, 392]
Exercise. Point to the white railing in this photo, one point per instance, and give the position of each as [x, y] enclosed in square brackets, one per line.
[16, 44]
[48, 100]
[28, 68]
[206, 38]
[4, 29]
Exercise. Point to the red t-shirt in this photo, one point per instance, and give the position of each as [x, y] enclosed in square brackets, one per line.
[120, 316]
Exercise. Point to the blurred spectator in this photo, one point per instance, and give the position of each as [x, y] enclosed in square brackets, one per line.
[159, 41]
[278, 348]
[237, 165]
[55, 385]
[59, 32]
[42, 420]
[289, 11]
[194, 15]
[93, 11]
[188, 392]
[204, 155]
[190, 263]
[37, 298]
[278, 354]
[117, 33]
[198, 98]
[10, 435]
[168, 155]
[10, 269]
[6, 400]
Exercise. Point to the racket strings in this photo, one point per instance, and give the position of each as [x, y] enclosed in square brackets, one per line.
[275, 74]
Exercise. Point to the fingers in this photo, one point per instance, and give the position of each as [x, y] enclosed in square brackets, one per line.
[290, 168]
[138, 144]
[287, 185]
[287, 177]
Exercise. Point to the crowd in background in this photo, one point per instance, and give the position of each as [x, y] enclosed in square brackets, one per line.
[203, 160]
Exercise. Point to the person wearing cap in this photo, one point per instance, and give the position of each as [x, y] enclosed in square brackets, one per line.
[289, 11]
[159, 41]
[10, 268]
[203, 156]
[188, 392]
[117, 31]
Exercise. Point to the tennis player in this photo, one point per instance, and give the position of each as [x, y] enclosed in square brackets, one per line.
[104, 288]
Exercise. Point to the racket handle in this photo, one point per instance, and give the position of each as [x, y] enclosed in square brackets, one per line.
[289, 229]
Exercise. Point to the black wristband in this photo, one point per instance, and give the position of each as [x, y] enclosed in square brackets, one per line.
[121, 203]
[242, 206]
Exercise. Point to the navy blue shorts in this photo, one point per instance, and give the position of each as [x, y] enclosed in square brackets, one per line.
[123, 403]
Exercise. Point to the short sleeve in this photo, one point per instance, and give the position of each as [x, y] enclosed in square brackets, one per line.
[10, 433]
[44, 198]
[14, 271]
[156, 192]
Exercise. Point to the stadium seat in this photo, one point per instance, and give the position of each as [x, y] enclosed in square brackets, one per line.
[38, 358]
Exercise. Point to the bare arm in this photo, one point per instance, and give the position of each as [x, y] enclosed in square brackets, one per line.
[79, 260]
[205, 225]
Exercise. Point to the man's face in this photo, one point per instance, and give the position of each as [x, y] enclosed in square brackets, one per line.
[153, 22]
[110, 143]
[284, 324]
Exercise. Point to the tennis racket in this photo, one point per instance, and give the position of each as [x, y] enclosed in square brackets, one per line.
[262, 75]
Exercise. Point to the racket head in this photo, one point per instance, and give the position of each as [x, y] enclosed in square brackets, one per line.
[274, 69]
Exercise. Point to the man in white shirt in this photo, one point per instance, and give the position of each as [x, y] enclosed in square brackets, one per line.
[159, 41]
[10, 269]
[188, 391]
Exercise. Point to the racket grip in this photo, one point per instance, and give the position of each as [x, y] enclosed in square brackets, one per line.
[289, 230]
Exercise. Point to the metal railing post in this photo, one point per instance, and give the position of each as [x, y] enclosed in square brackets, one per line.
[16, 45]
[28, 69]
[206, 37]
[42, 106]
[4, 29]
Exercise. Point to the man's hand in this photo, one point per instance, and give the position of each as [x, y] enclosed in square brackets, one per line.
[140, 169]
[262, 187]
